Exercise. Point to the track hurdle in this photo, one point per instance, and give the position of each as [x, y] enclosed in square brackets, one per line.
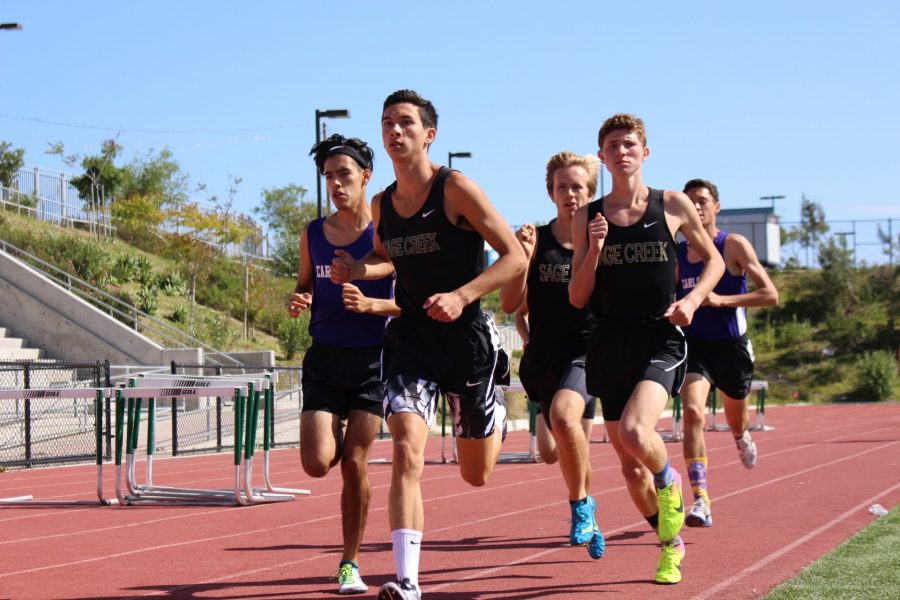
[98, 395]
[676, 434]
[760, 386]
[265, 384]
[246, 406]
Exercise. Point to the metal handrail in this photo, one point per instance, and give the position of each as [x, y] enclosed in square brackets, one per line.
[133, 313]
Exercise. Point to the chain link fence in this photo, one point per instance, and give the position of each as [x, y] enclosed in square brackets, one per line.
[52, 430]
[57, 430]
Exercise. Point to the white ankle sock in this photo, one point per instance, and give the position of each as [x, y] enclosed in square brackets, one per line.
[407, 545]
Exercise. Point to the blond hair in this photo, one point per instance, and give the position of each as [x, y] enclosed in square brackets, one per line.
[588, 162]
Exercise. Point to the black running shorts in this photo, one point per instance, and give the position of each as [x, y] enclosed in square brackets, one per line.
[426, 358]
[542, 380]
[338, 380]
[620, 357]
[726, 364]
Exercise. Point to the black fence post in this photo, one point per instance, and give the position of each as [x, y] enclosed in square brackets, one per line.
[219, 402]
[27, 377]
[107, 381]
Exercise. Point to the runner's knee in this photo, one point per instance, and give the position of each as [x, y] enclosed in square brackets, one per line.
[407, 458]
[315, 464]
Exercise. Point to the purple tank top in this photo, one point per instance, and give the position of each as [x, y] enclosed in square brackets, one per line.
[330, 323]
[713, 323]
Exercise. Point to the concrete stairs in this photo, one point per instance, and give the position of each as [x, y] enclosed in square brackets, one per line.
[12, 348]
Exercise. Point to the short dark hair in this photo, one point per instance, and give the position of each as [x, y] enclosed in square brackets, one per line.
[427, 112]
[355, 148]
[702, 183]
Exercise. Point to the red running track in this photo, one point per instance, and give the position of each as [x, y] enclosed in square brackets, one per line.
[819, 470]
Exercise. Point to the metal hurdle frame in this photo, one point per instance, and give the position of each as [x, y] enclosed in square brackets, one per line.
[99, 395]
[246, 405]
[677, 432]
[760, 386]
[128, 491]
[266, 385]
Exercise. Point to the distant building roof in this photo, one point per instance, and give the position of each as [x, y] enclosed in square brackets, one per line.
[763, 210]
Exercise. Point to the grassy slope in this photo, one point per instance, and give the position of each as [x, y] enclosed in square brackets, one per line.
[793, 348]
[115, 248]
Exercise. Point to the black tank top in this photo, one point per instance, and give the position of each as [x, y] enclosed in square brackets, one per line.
[553, 322]
[430, 254]
[635, 278]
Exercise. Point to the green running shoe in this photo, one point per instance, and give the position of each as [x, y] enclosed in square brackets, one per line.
[671, 509]
[668, 569]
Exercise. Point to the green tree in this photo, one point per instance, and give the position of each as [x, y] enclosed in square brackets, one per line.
[286, 213]
[10, 162]
[812, 224]
[891, 246]
[101, 180]
[156, 176]
[200, 236]
[137, 218]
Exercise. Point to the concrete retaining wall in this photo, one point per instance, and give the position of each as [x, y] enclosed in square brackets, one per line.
[67, 327]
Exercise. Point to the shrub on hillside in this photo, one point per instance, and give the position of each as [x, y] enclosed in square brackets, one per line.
[878, 377]
[293, 336]
[855, 330]
[144, 274]
[221, 286]
[147, 299]
[218, 333]
[125, 268]
[88, 260]
[173, 283]
[793, 332]
[268, 302]
[179, 315]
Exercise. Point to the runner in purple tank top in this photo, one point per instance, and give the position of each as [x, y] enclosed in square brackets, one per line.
[342, 385]
[719, 351]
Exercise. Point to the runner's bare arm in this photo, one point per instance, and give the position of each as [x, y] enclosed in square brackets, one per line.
[466, 205]
[302, 296]
[681, 215]
[740, 257]
[588, 239]
[356, 301]
[375, 265]
[512, 293]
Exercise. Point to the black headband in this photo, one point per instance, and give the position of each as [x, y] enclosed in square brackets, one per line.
[351, 152]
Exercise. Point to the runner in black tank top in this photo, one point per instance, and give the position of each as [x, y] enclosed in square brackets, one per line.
[458, 358]
[641, 258]
[427, 243]
[624, 267]
[557, 334]
[431, 226]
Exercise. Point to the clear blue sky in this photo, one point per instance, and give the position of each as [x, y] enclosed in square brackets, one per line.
[763, 98]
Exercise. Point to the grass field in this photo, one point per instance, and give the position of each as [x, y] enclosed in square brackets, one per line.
[867, 566]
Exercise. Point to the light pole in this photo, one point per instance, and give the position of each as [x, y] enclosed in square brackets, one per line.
[12, 26]
[340, 113]
[452, 155]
